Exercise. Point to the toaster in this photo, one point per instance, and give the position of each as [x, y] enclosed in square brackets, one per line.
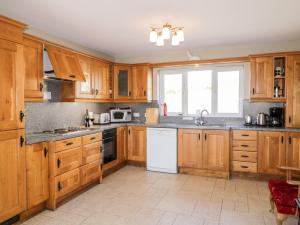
[101, 118]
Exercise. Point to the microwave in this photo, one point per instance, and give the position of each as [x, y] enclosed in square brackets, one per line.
[120, 115]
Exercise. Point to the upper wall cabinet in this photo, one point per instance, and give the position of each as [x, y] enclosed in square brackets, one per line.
[293, 91]
[122, 83]
[96, 86]
[268, 78]
[33, 58]
[132, 83]
[65, 63]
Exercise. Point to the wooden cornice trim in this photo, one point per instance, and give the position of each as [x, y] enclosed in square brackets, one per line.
[275, 54]
[13, 22]
[201, 62]
[44, 41]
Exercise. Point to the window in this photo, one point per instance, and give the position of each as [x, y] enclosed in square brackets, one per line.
[187, 91]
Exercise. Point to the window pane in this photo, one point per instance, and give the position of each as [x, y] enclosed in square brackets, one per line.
[228, 92]
[173, 92]
[199, 91]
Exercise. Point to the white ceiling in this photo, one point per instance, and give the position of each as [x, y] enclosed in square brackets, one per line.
[120, 28]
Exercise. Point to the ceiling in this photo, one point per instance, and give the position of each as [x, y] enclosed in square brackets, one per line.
[120, 28]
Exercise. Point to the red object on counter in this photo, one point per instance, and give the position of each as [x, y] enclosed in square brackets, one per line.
[165, 109]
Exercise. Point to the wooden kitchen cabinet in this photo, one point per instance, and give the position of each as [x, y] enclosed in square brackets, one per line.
[85, 89]
[101, 80]
[33, 57]
[271, 152]
[137, 143]
[65, 63]
[37, 173]
[293, 92]
[122, 83]
[216, 150]
[141, 83]
[91, 172]
[122, 144]
[11, 85]
[12, 173]
[293, 149]
[190, 148]
[261, 78]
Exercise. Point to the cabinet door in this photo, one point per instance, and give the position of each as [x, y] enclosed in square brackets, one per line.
[91, 172]
[33, 57]
[101, 76]
[67, 160]
[65, 63]
[12, 174]
[85, 89]
[122, 83]
[122, 144]
[293, 92]
[137, 143]
[67, 182]
[37, 163]
[190, 148]
[91, 152]
[11, 85]
[141, 83]
[262, 78]
[293, 150]
[216, 150]
[271, 152]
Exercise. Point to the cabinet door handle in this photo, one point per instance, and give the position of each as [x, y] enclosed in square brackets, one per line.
[22, 115]
[205, 137]
[59, 186]
[129, 132]
[92, 138]
[45, 152]
[290, 119]
[145, 93]
[244, 156]
[253, 90]
[69, 143]
[245, 145]
[282, 139]
[58, 163]
[97, 91]
[72, 76]
[22, 140]
[290, 140]
[199, 136]
[101, 149]
[129, 93]
[41, 87]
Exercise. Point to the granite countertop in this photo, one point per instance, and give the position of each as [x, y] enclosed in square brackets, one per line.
[40, 137]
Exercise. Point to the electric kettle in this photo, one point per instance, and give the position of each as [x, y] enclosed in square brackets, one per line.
[262, 119]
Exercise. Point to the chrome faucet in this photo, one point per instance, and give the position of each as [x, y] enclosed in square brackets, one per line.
[201, 121]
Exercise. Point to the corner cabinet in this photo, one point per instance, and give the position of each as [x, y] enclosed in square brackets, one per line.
[271, 152]
[33, 57]
[37, 164]
[293, 92]
[216, 150]
[137, 143]
[11, 85]
[12, 173]
[261, 78]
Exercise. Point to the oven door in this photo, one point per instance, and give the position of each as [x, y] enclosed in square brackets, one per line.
[109, 149]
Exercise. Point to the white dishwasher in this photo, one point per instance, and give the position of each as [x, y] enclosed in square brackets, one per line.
[162, 150]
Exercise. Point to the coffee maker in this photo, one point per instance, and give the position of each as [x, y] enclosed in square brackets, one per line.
[276, 117]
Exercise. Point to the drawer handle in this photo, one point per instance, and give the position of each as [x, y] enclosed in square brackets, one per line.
[244, 156]
[58, 163]
[245, 145]
[69, 143]
[92, 138]
[72, 76]
[246, 167]
[245, 135]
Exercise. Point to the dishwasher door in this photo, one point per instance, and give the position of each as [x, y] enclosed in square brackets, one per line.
[162, 150]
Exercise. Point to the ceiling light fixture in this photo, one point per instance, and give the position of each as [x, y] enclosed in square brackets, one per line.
[158, 35]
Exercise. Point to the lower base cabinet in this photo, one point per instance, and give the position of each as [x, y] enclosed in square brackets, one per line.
[91, 172]
[37, 164]
[12, 174]
[203, 149]
[293, 149]
[137, 143]
[271, 152]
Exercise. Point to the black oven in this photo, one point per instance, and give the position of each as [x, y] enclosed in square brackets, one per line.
[109, 143]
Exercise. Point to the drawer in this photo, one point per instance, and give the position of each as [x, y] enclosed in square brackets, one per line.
[67, 144]
[91, 138]
[244, 166]
[244, 145]
[244, 156]
[67, 160]
[91, 152]
[91, 172]
[246, 135]
[67, 182]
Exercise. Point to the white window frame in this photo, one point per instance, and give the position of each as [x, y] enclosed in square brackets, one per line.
[215, 69]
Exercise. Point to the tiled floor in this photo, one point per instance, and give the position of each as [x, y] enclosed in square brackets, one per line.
[133, 196]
